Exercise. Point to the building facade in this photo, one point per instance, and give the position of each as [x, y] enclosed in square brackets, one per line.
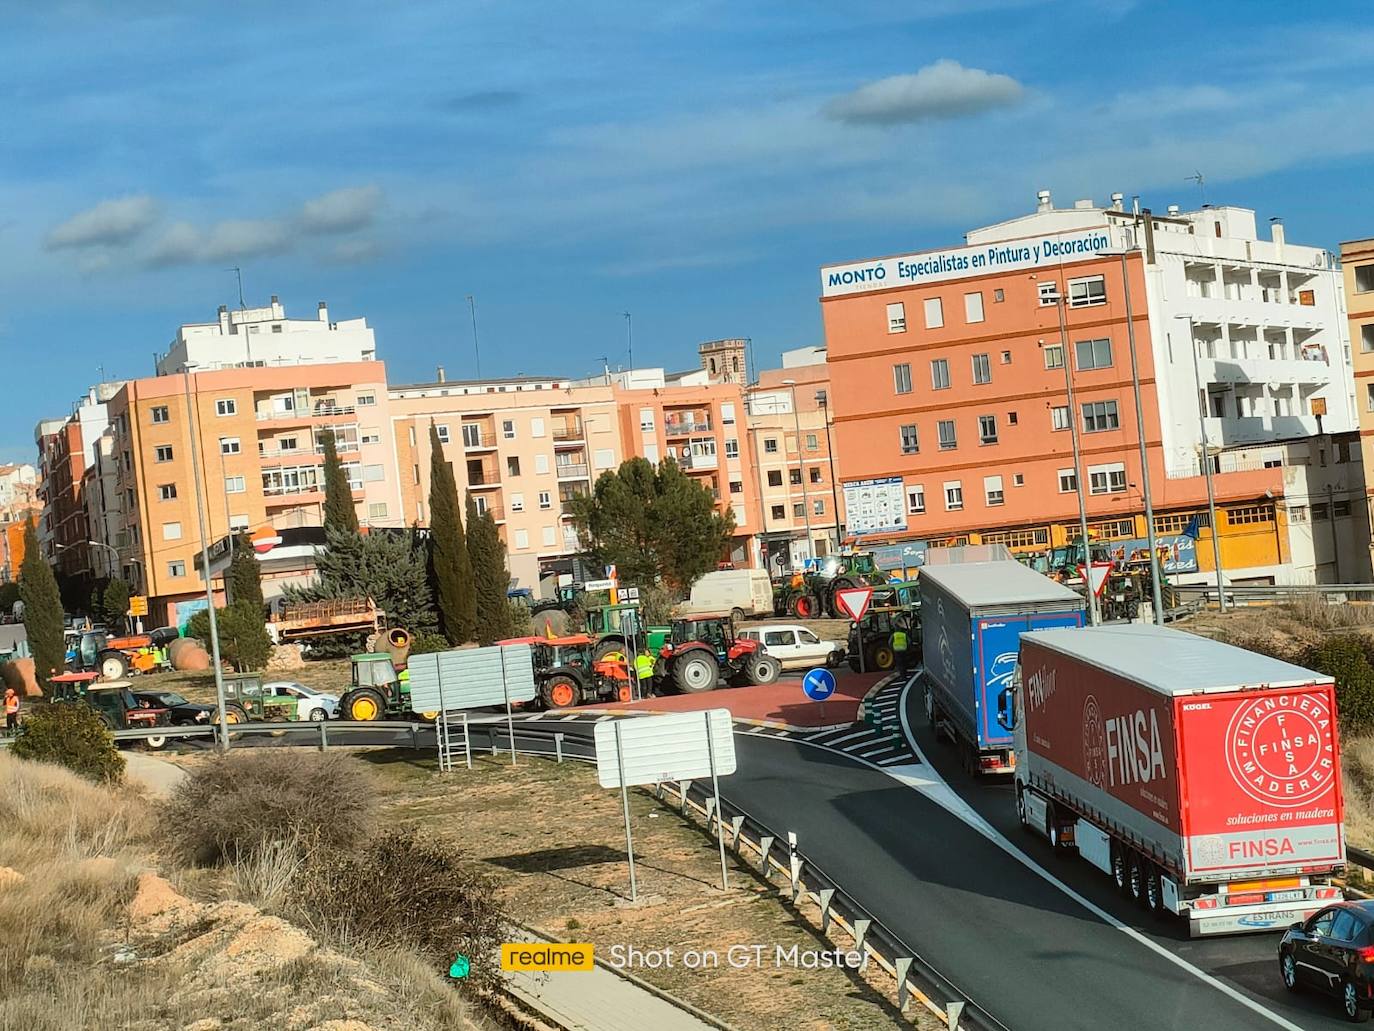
[66, 449]
[264, 337]
[1357, 268]
[961, 376]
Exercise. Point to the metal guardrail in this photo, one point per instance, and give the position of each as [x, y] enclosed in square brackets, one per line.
[1268, 594]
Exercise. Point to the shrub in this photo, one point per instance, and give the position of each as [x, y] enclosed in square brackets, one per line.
[243, 639]
[520, 619]
[404, 890]
[1343, 658]
[242, 802]
[73, 736]
[427, 641]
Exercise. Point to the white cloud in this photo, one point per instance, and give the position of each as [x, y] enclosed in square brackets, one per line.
[183, 243]
[342, 211]
[109, 222]
[945, 89]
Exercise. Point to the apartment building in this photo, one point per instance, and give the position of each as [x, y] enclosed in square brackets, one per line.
[523, 447]
[257, 436]
[1357, 269]
[66, 448]
[18, 491]
[956, 392]
[265, 337]
[12, 546]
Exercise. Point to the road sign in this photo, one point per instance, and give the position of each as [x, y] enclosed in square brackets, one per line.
[1099, 576]
[629, 594]
[819, 684]
[854, 600]
[610, 572]
[599, 585]
[138, 605]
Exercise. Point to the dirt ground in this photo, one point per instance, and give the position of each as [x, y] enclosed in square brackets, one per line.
[554, 841]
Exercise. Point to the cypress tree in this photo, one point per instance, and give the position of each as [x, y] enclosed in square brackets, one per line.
[245, 575]
[490, 577]
[339, 512]
[448, 548]
[42, 610]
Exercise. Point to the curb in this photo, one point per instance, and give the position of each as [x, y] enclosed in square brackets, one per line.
[745, 720]
[872, 692]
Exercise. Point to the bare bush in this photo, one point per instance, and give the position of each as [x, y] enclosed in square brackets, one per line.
[1314, 610]
[1357, 772]
[238, 803]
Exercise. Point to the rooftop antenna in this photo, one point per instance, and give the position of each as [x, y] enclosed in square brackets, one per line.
[238, 273]
[630, 337]
[606, 369]
[476, 349]
[1201, 180]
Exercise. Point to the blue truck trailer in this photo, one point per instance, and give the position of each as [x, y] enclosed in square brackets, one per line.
[972, 616]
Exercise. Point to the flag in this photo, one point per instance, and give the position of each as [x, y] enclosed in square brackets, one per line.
[1192, 529]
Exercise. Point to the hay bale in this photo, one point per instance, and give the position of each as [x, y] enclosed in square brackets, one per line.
[191, 657]
[18, 674]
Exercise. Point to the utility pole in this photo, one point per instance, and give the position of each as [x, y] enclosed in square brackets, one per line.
[630, 338]
[1077, 457]
[476, 348]
[823, 400]
[1206, 463]
[791, 385]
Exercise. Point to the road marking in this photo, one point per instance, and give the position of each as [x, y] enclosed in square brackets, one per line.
[603, 719]
[834, 741]
[931, 784]
[565, 719]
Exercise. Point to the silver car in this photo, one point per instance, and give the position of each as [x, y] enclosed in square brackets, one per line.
[311, 704]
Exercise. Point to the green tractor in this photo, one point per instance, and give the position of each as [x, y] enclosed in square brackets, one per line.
[812, 594]
[378, 692]
[878, 626]
[245, 700]
[613, 625]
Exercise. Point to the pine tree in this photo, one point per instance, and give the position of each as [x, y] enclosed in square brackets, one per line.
[42, 609]
[245, 575]
[114, 602]
[490, 577]
[339, 512]
[448, 549]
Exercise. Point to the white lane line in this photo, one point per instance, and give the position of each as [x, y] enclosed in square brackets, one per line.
[882, 752]
[836, 741]
[603, 719]
[930, 783]
[565, 719]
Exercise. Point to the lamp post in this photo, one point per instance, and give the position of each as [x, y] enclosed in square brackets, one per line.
[205, 560]
[1206, 461]
[791, 386]
[1053, 293]
[823, 400]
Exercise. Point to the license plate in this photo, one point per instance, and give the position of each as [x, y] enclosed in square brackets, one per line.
[1286, 896]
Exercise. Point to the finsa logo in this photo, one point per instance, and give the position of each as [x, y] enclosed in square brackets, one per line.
[1280, 749]
[1040, 687]
[1094, 743]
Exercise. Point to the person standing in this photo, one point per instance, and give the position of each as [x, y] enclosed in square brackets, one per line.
[11, 710]
[900, 646]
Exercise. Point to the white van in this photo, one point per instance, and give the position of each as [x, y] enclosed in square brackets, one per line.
[741, 592]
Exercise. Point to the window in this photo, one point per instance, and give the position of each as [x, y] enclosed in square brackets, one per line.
[1364, 278]
[238, 522]
[545, 500]
[651, 453]
[731, 447]
[1048, 292]
[536, 427]
[472, 435]
[226, 406]
[939, 374]
[1018, 480]
[1367, 337]
[163, 453]
[1340, 509]
[815, 475]
[442, 431]
[415, 470]
[1006, 357]
[812, 443]
[234, 485]
[522, 539]
[818, 507]
[775, 477]
[770, 445]
[987, 429]
[1250, 514]
[1011, 418]
[1059, 417]
[1343, 930]
[1054, 356]
[992, 489]
[1093, 354]
[603, 458]
[175, 569]
[1086, 292]
[973, 307]
[982, 369]
[896, 317]
[374, 473]
[171, 531]
[229, 446]
[363, 401]
[794, 477]
[1036, 537]
[1369, 396]
[1099, 416]
[901, 378]
[512, 465]
[160, 414]
[727, 411]
[646, 420]
[908, 436]
[1107, 479]
[376, 510]
[1068, 481]
[798, 510]
[541, 464]
[915, 499]
[948, 441]
[998, 296]
[547, 536]
[167, 491]
[736, 487]
[778, 512]
[517, 502]
[1177, 522]
[370, 437]
[954, 496]
[508, 429]
[935, 313]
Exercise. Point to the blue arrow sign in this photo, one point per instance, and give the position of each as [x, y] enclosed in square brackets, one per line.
[819, 684]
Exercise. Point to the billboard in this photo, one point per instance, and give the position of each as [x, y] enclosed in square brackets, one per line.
[675, 746]
[1179, 551]
[874, 506]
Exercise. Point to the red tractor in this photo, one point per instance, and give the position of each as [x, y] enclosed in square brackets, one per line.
[701, 651]
[567, 674]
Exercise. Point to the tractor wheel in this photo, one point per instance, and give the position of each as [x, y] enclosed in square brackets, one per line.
[763, 669]
[881, 658]
[114, 666]
[806, 606]
[624, 693]
[612, 649]
[234, 713]
[364, 705]
[840, 583]
[695, 672]
[559, 693]
[156, 743]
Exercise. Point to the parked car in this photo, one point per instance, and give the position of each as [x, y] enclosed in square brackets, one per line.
[1332, 952]
[311, 704]
[794, 646]
[180, 712]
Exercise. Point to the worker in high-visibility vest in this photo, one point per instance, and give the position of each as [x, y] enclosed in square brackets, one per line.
[901, 648]
[11, 710]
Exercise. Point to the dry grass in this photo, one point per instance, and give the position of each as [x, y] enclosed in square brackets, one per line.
[1357, 777]
[1312, 610]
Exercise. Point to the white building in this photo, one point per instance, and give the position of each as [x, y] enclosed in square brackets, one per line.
[265, 337]
[1268, 321]
[18, 491]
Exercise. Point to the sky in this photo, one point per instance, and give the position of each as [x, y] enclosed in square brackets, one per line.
[692, 163]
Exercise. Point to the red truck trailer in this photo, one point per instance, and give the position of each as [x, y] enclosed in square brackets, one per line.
[1203, 778]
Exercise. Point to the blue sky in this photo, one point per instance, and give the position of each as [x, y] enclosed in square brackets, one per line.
[693, 163]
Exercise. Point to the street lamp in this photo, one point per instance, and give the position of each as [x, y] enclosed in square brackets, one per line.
[791, 386]
[1156, 567]
[1206, 460]
[205, 559]
[1049, 291]
[823, 400]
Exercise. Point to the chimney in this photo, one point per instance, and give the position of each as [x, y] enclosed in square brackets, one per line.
[1042, 201]
[1276, 234]
[275, 299]
[439, 375]
[1117, 198]
[1173, 210]
[224, 318]
[324, 312]
[1135, 204]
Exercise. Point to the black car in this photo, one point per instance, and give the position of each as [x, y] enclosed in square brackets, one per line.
[180, 712]
[1333, 952]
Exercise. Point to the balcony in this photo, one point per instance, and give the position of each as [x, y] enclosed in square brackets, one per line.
[686, 427]
[572, 470]
[496, 512]
[299, 415]
[568, 431]
[695, 463]
[475, 439]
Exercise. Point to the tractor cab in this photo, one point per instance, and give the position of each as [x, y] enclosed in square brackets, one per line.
[702, 650]
[245, 699]
[112, 701]
[614, 619]
[377, 690]
[716, 631]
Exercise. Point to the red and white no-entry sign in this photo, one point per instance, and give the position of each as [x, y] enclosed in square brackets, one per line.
[854, 600]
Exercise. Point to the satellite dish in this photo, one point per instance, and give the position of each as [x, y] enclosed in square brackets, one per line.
[686, 451]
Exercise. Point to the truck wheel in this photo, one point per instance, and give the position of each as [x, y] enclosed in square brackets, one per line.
[1136, 885]
[737, 614]
[234, 713]
[693, 674]
[114, 666]
[1120, 870]
[364, 705]
[763, 669]
[558, 693]
[1154, 891]
[1021, 813]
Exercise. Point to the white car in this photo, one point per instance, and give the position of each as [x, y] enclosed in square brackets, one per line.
[794, 646]
[311, 704]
